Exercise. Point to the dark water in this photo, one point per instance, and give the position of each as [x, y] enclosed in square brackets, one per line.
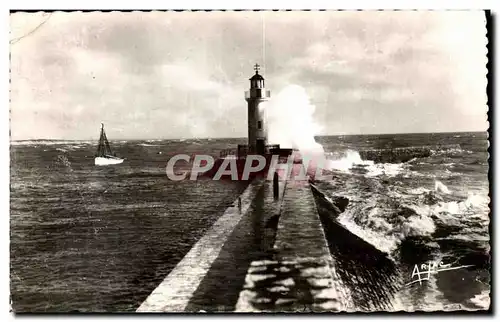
[102, 238]
[92, 238]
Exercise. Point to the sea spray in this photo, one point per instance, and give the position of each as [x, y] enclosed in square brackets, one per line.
[347, 161]
[351, 160]
[291, 121]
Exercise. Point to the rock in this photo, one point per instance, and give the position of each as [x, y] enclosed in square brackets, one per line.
[396, 155]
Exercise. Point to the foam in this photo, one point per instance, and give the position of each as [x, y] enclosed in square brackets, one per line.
[482, 300]
[380, 218]
[352, 159]
[441, 188]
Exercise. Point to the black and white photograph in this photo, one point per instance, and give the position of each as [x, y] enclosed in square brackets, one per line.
[249, 161]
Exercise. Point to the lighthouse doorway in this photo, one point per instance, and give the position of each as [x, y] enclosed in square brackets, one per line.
[261, 146]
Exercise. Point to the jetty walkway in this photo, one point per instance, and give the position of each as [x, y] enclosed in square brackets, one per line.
[265, 253]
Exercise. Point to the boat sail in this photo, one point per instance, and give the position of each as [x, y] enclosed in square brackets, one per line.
[104, 156]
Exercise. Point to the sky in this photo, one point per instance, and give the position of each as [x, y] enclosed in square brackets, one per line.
[150, 75]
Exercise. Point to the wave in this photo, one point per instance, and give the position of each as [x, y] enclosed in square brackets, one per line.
[147, 144]
[51, 142]
[351, 162]
[69, 148]
[440, 187]
[482, 300]
[346, 162]
[387, 218]
[386, 228]
[418, 191]
[451, 149]
[409, 154]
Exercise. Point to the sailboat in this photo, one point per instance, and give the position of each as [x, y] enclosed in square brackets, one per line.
[104, 156]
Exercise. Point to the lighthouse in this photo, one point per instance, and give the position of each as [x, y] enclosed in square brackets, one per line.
[256, 98]
[257, 120]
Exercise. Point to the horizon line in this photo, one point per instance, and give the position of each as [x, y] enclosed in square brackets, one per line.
[222, 138]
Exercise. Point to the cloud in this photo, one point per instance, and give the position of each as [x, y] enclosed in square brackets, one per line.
[181, 74]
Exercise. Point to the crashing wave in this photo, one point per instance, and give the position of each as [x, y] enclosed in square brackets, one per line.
[387, 219]
[386, 228]
[351, 162]
[441, 188]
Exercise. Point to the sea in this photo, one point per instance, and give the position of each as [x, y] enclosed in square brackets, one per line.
[100, 239]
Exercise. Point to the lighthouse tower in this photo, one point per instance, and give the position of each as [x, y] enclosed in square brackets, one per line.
[257, 120]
